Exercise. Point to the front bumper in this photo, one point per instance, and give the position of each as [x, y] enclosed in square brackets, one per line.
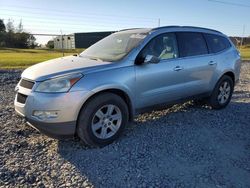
[68, 106]
[54, 130]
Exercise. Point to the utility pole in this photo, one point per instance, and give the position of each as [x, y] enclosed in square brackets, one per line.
[242, 37]
[62, 43]
[159, 22]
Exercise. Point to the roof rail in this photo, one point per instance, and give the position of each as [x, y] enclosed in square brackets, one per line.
[166, 27]
[194, 27]
[202, 28]
[130, 29]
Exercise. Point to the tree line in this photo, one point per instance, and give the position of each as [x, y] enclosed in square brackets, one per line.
[15, 37]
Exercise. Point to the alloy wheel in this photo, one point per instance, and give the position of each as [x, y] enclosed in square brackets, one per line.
[224, 92]
[106, 121]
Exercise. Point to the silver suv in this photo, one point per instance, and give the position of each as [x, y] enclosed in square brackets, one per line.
[95, 94]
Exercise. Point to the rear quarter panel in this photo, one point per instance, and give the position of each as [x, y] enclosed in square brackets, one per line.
[227, 61]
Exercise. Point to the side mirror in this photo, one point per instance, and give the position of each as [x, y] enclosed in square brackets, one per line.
[151, 59]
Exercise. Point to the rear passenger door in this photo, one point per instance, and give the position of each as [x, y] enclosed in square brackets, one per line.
[196, 63]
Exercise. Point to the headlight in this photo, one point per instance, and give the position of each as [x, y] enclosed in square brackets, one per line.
[58, 85]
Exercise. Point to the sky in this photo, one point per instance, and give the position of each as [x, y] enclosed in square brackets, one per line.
[63, 16]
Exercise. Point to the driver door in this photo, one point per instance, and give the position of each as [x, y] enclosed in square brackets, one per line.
[161, 82]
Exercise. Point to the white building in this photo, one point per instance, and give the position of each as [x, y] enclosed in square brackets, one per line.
[64, 42]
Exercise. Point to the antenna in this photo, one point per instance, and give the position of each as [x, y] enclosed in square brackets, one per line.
[62, 42]
[159, 22]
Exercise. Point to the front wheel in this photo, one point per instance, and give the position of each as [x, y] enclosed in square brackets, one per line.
[102, 119]
[222, 93]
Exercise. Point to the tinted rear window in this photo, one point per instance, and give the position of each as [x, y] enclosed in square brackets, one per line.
[216, 43]
[191, 44]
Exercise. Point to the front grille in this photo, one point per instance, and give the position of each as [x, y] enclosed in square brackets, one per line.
[27, 84]
[21, 98]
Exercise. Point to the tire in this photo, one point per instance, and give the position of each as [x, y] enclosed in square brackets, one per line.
[222, 93]
[102, 119]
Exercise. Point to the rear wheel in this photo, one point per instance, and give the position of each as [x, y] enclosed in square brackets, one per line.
[222, 93]
[102, 119]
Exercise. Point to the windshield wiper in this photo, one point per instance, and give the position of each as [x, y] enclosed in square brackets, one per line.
[95, 58]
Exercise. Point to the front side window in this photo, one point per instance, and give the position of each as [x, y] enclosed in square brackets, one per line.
[163, 46]
[191, 44]
[114, 47]
[216, 43]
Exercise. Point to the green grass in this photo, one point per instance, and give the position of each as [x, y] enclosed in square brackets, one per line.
[12, 58]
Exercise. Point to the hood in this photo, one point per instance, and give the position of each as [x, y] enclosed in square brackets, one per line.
[59, 66]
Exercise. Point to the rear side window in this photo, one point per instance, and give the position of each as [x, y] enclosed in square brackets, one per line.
[191, 44]
[216, 43]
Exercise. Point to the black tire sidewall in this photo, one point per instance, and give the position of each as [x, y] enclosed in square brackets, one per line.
[84, 129]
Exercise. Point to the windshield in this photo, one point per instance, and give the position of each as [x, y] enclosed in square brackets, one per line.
[114, 47]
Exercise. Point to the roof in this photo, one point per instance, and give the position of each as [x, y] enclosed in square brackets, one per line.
[185, 27]
[169, 27]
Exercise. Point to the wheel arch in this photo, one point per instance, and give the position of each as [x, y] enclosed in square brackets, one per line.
[230, 74]
[124, 95]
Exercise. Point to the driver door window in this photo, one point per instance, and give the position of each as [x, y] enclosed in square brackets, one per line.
[163, 46]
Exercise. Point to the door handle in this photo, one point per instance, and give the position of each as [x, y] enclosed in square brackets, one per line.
[212, 63]
[178, 68]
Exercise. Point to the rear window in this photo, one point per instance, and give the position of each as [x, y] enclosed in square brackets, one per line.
[191, 44]
[216, 43]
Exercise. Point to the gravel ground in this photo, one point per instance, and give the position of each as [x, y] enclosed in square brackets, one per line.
[183, 146]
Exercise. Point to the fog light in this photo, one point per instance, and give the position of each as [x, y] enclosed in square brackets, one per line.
[45, 114]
